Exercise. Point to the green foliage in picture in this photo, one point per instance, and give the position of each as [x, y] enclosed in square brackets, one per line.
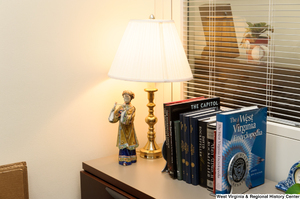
[294, 189]
[256, 29]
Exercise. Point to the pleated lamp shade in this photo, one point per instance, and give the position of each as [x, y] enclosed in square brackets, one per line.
[151, 51]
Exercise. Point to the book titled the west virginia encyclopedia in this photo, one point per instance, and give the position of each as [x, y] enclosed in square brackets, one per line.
[240, 131]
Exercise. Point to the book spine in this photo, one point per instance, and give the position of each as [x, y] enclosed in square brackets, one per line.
[202, 154]
[188, 171]
[194, 139]
[172, 166]
[219, 157]
[178, 149]
[214, 167]
[166, 114]
[182, 147]
[210, 157]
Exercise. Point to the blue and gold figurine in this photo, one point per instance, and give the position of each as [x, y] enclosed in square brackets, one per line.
[127, 140]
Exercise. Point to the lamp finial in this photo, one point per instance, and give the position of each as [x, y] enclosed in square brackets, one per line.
[151, 16]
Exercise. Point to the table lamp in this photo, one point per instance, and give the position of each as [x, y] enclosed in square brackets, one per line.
[151, 51]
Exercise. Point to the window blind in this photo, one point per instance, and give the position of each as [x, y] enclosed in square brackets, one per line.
[245, 52]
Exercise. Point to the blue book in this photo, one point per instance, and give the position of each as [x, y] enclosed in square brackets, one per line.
[172, 110]
[185, 141]
[197, 147]
[188, 171]
[182, 147]
[241, 131]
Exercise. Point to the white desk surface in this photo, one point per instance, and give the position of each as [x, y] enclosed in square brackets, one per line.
[146, 176]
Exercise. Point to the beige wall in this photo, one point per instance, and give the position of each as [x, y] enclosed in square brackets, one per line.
[56, 95]
[55, 92]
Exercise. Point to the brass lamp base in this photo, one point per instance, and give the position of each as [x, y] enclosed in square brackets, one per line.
[151, 150]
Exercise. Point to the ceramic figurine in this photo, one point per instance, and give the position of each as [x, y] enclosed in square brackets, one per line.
[127, 141]
[293, 178]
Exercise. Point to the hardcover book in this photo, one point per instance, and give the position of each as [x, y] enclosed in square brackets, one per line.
[172, 112]
[205, 144]
[198, 142]
[214, 174]
[169, 137]
[241, 131]
[206, 150]
[211, 129]
[185, 139]
[191, 144]
[178, 148]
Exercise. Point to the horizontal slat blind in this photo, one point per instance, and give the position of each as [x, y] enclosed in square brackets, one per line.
[246, 52]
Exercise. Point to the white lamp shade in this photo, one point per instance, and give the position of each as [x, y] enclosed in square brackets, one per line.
[151, 51]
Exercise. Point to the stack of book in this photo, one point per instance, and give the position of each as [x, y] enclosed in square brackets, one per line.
[201, 139]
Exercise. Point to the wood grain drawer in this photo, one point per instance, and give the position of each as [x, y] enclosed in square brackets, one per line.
[95, 188]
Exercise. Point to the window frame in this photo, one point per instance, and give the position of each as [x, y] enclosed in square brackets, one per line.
[177, 89]
[183, 2]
